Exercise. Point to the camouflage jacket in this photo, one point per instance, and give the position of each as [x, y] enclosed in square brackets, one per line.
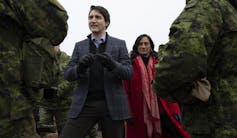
[202, 42]
[63, 96]
[65, 88]
[19, 20]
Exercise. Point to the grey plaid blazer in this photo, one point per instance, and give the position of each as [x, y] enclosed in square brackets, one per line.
[116, 97]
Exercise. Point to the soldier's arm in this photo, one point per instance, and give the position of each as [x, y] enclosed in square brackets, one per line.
[45, 18]
[184, 58]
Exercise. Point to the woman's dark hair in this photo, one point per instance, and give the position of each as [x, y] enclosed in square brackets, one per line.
[134, 53]
[102, 11]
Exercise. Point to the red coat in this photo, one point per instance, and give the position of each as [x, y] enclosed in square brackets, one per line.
[135, 96]
[171, 109]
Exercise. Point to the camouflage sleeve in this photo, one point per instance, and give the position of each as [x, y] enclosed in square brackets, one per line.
[45, 18]
[65, 87]
[184, 58]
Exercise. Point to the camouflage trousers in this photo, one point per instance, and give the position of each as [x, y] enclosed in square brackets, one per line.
[21, 128]
[204, 120]
[16, 116]
[51, 120]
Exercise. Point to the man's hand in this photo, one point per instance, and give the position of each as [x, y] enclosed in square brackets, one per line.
[106, 60]
[85, 62]
[130, 121]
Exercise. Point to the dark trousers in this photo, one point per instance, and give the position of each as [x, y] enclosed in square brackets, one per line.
[93, 112]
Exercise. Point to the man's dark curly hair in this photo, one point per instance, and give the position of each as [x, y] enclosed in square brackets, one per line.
[134, 53]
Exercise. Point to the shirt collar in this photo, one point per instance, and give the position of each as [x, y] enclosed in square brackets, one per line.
[102, 38]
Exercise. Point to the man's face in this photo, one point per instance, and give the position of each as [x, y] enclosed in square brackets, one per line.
[96, 22]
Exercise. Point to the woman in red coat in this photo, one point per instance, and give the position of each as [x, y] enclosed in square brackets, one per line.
[152, 117]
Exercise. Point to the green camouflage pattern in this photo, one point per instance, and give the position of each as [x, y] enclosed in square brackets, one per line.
[22, 20]
[39, 63]
[54, 107]
[202, 42]
[39, 67]
[25, 128]
[63, 88]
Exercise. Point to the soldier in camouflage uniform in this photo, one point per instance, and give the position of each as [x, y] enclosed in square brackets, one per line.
[21, 21]
[56, 102]
[203, 42]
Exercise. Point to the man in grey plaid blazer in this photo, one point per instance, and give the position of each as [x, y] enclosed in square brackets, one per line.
[99, 64]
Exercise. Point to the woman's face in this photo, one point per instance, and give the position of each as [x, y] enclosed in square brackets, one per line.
[144, 47]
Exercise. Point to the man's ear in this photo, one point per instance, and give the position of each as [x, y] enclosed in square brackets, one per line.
[107, 24]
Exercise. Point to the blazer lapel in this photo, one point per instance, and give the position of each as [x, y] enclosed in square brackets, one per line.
[109, 45]
[84, 48]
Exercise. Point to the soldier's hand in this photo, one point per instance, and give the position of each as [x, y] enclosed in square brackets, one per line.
[56, 48]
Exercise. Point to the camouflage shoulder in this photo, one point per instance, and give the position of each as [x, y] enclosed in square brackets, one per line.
[191, 3]
[57, 4]
[2, 7]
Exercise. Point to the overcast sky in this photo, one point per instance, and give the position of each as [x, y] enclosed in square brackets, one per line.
[129, 19]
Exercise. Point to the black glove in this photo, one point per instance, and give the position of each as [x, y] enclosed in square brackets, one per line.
[106, 60]
[50, 93]
[85, 62]
[130, 121]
